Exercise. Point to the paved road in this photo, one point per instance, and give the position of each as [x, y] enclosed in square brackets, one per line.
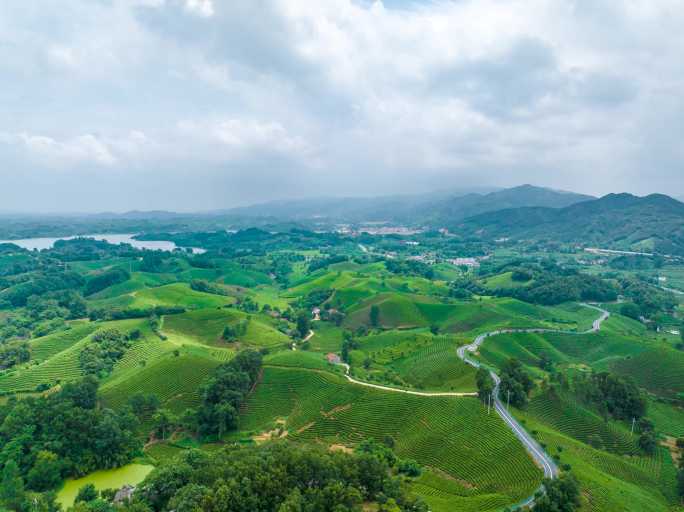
[542, 458]
[672, 290]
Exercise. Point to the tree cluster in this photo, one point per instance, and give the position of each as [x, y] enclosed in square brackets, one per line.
[105, 280]
[560, 495]
[648, 298]
[46, 439]
[123, 314]
[202, 285]
[485, 384]
[516, 384]
[611, 394]
[551, 289]
[13, 354]
[224, 391]
[103, 350]
[319, 263]
[233, 332]
[276, 477]
[410, 268]
[39, 283]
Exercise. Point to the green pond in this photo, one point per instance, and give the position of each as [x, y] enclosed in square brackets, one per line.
[131, 474]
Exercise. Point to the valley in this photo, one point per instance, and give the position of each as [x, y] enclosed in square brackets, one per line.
[354, 348]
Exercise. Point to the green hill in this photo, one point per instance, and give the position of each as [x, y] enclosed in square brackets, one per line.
[206, 326]
[617, 220]
[472, 454]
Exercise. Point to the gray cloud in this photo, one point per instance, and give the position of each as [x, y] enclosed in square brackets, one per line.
[199, 104]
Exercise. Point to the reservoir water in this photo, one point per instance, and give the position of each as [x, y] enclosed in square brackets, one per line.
[132, 474]
[49, 242]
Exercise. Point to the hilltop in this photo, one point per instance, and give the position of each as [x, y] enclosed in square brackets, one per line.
[651, 223]
[428, 209]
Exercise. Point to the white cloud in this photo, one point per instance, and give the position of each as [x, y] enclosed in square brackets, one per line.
[77, 150]
[507, 92]
[237, 138]
[204, 8]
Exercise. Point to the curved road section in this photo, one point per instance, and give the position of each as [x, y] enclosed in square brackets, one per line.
[543, 459]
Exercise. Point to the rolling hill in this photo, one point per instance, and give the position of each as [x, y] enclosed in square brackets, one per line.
[651, 223]
[429, 209]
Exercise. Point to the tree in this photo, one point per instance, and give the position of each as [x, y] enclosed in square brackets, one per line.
[46, 502]
[188, 421]
[515, 383]
[409, 467]
[545, 362]
[12, 486]
[485, 384]
[630, 310]
[561, 495]
[143, 404]
[374, 315]
[164, 421]
[303, 324]
[648, 442]
[46, 472]
[226, 417]
[87, 493]
[293, 503]
[190, 498]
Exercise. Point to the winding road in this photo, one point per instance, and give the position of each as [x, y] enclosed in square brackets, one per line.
[543, 459]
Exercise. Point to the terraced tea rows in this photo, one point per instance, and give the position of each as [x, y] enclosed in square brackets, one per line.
[611, 482]
[62, 367]
[455, 436]
[435, 367]
[573, 420]
[48, 346]
[206, 326]
[667, 381]
[175, 380]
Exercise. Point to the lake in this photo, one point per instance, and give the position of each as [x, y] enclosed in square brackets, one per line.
[132, 474]
[49, 242]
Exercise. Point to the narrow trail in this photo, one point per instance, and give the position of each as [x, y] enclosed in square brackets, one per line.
[399, 390]
[543, 459]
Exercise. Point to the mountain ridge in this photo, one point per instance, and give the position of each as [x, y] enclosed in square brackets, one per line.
[620, 219]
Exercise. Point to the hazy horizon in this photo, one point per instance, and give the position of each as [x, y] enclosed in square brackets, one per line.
[201, 105]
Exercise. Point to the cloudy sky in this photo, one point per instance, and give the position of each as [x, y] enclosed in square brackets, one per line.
[203, 104]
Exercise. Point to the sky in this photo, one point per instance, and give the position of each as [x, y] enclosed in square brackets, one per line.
[186, 105]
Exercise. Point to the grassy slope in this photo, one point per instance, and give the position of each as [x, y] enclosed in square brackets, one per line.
[610, 482]
[420, 359]
[178, 294]
[60, 363]
[206, 326]
[474, 451]
[174, 379]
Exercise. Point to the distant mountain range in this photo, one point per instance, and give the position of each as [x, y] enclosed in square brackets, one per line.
[651, 223]
[429, 209]
[654, 223]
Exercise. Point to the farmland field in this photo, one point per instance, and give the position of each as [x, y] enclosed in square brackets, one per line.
[447, 435]
[353, 348]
